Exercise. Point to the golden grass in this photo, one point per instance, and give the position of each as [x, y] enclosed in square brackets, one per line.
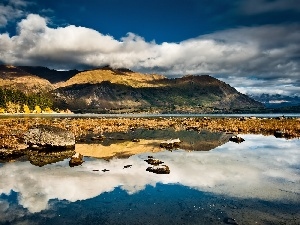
[127, 78]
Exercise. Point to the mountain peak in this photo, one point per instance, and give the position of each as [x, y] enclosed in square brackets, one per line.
[117, 76]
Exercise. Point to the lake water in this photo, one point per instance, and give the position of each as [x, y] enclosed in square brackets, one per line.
[254, 182]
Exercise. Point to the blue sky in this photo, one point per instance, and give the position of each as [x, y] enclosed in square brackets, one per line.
[254, 45]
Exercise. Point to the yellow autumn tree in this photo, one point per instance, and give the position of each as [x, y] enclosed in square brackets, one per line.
[12, 107]
[37, 109]
[2, 110]
[26, 109]
[48, 110]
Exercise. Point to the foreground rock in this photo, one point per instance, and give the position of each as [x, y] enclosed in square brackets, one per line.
[76, 160]
[45, 136]
[163, 169]
[236, 139]
[153, 162]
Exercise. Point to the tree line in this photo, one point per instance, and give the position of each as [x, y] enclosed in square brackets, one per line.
[15, 101]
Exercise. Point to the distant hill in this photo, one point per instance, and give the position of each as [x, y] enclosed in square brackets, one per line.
[277, 101]
[12, 77]
[52, 76]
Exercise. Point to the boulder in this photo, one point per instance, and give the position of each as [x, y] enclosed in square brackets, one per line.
[236, 139]
[153, 162]
[49, 137]
[76, 160]
[164, 169]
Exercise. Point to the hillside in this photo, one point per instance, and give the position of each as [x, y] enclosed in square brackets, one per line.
[196, 94]
[116, 76]
[109, 90]
[12, 77]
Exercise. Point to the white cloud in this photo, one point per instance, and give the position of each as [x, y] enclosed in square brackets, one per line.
[18, 3]
[11, 11]
[262, 6]
[266, 51]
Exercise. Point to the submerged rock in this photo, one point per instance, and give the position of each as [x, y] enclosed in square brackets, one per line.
[45, 136]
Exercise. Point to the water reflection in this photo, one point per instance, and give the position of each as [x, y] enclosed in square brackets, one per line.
[124, 145]
[262, 167]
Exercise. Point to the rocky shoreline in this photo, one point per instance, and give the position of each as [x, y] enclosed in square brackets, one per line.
[12, 130]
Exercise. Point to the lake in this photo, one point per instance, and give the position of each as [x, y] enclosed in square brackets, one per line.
[211, 181]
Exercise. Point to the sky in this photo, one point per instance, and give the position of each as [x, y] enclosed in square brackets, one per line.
[254, 45]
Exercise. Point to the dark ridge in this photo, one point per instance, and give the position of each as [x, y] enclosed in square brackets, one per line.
[53, 76]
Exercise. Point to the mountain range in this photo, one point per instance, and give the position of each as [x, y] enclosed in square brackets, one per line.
[277, 100]
[110, 90]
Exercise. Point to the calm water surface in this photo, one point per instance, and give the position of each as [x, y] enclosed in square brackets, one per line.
[254, 182]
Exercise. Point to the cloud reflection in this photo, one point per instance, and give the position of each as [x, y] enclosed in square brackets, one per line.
[261, 167]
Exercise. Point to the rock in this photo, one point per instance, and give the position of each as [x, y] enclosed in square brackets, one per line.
[127, 166]
[44, 136]
[170, 144]
[164, 169]
[153, 162]
[76, 160]
[279, 134]
[236, 139]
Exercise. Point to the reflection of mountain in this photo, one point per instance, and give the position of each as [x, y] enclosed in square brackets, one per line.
[120, 145]
[261, 167]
